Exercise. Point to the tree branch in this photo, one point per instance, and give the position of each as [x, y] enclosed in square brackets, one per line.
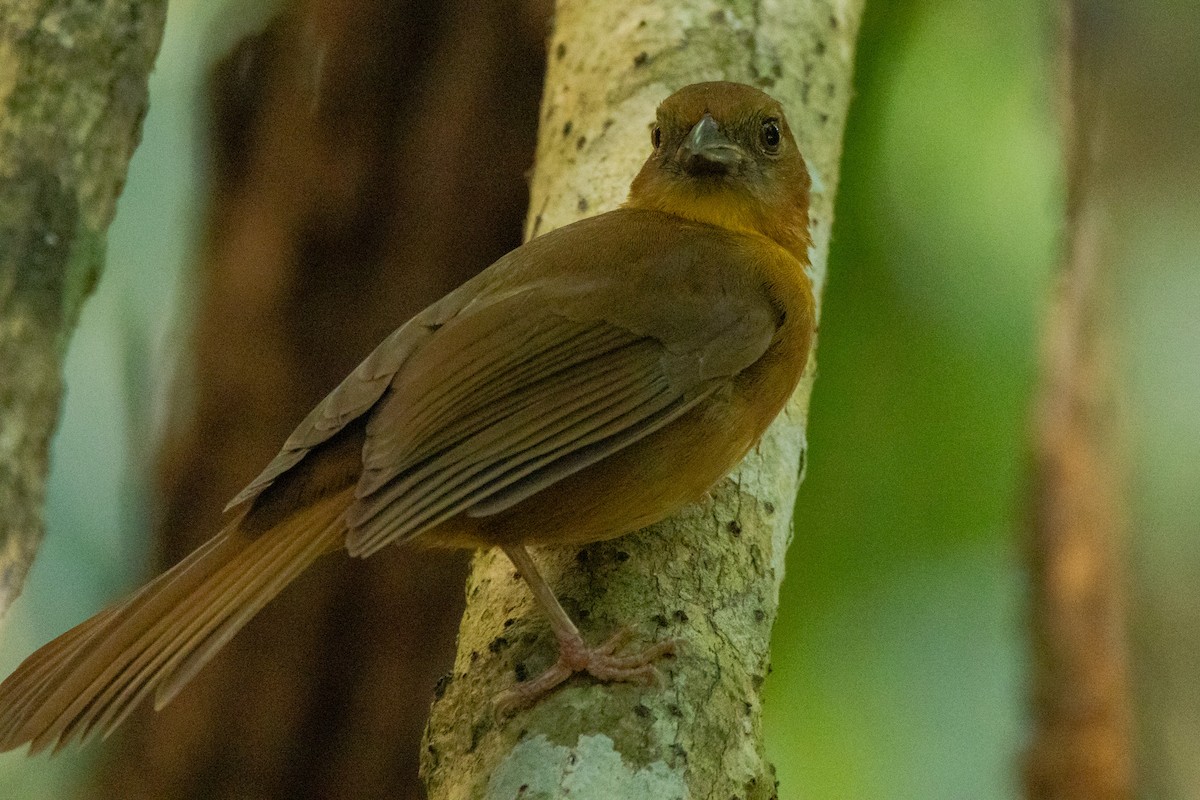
[1081, 748]
[73, 92]
[711, 575]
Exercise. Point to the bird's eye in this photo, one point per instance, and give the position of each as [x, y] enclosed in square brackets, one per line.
[770, 135]
[656, 137]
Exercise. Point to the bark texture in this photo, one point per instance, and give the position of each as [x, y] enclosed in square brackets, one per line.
[73, 92]
[711, 575]
[370, 156]
[1082, 740]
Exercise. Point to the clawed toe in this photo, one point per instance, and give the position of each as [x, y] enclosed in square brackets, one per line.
[600, 662]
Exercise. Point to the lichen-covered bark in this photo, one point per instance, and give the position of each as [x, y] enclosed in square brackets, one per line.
[711, 575]
[73, 77]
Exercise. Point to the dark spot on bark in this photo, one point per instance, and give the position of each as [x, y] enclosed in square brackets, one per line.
[757, 680]
[508, 623]
[820, 47]
[474, 656]
[520, 670]
[480, 727]
[641, 23]
[823, 118]
[443, 683]
[582, 556]
[641, 58]
[681, 616]
[39, 245]
[833, 22]
[759, 615]
[641, 710]
[717, 17]
[560, 51]
[498, 644]
[567, 127]
[769, 507]
[622, 556]
[580, 142]
[748, 707]
[830, 90]
[583, 614]
[608, 123]
[583, 204]
[674, 710]
[660, 620]
[735, 527]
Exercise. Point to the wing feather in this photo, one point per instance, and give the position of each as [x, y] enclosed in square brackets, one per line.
[595, 406]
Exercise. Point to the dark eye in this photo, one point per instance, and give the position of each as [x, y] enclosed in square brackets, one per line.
[770, 135]
[656, 137]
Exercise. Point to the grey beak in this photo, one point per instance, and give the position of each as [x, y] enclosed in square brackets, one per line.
[707, 151]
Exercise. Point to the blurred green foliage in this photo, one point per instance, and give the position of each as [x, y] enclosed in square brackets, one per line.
[898, 651]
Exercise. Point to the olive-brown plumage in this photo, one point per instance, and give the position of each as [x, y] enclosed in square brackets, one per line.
[587, 384]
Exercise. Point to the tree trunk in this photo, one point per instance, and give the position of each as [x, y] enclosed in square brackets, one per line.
[73, 78]
[370, 157]
[710, 576]
[1081, 747]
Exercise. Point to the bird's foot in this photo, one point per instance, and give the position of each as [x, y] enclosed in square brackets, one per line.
[600, 662]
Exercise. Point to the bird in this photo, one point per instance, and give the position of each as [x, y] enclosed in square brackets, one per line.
[589, 383]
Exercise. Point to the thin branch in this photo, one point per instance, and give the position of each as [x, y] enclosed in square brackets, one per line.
[1081, 746]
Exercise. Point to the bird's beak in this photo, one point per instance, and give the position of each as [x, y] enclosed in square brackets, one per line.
[707, 151]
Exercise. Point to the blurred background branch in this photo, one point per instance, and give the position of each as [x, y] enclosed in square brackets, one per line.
[1082, 737]
[350, 187]
[73, 79]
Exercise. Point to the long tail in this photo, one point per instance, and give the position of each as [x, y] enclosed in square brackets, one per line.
[89, 679]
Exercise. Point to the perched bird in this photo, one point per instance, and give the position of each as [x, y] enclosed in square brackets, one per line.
[587, 384]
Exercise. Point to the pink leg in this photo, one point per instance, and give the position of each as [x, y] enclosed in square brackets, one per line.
[574, 654]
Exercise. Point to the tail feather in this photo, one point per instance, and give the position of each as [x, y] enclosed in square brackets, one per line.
[88, 680]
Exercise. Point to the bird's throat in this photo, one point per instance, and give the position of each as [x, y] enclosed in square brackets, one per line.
[734, 213]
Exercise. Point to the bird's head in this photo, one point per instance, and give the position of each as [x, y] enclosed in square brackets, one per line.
[724, 155]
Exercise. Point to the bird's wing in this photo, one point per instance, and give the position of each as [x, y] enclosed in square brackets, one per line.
[534, 370]
[521, 392]
[359, 391]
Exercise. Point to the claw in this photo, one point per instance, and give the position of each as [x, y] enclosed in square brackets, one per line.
[600, 662]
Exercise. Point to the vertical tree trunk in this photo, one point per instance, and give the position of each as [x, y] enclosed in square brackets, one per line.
[370, 156]
[1081, 748]
[73, 79]
[711, 575]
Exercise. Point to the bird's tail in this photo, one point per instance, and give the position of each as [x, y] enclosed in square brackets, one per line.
[88, 679]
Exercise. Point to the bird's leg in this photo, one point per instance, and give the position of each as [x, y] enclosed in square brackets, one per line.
[573, 653]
